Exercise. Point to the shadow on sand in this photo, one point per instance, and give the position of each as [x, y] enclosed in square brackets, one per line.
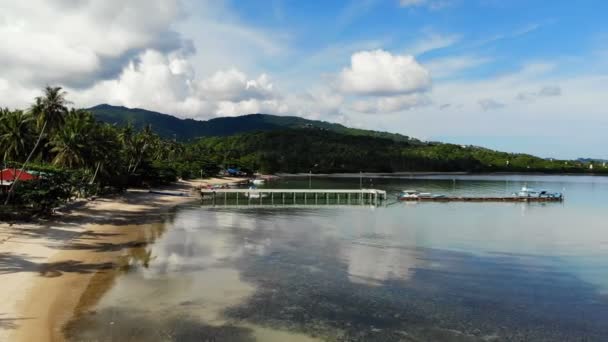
[10, 322]
[13, 263]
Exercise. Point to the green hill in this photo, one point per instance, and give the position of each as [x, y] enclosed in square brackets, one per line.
[169, 126]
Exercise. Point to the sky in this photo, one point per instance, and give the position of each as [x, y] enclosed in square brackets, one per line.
[521, 76]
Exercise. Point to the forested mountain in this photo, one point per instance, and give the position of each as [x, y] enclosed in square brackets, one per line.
[168, 126]
[323, 151]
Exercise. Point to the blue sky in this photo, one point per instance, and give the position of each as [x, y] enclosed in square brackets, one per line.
[522, 76]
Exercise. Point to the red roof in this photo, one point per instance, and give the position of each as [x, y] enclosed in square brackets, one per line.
[12, 174]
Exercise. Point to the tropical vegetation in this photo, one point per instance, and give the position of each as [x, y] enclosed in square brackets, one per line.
[83, 152]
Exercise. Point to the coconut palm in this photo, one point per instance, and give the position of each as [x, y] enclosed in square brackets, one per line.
[71, 144]
[49, 111]
[141, 143]
[16, 134]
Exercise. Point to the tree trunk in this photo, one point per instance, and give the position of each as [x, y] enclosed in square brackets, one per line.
[16, 180]
[95, 174]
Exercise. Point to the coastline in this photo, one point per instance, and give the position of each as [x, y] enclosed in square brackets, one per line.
[52, 270]
[415, 174]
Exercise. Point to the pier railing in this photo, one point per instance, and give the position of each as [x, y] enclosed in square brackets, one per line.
[293, 197]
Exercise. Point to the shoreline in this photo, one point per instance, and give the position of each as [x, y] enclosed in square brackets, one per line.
[432, 173]
[52, 270]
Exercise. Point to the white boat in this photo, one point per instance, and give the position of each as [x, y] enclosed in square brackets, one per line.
[255, 194]
[526, 192]
[258, 181]
[415, 194]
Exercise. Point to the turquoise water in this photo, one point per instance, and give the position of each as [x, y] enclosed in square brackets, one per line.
[399, 272]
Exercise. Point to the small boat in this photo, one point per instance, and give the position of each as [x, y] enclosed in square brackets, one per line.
[414, 195]
[254, 194]
[258, 181]
[526, 192]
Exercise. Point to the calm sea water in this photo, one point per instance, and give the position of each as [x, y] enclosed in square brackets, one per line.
[400, 272]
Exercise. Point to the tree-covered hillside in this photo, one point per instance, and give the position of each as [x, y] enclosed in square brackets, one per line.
[168, 126]
[322, 151]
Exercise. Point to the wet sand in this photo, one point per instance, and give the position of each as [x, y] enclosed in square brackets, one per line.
[52, 270]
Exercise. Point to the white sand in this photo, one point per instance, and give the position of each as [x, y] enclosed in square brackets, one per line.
[41, 280]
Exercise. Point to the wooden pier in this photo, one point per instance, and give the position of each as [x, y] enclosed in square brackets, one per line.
[482, 199]
[317, 197]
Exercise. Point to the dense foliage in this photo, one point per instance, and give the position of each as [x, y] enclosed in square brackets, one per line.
[169, 126]
[78, 153]
[322, 151]
[77, 156]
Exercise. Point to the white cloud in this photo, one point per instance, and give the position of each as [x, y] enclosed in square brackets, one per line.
[316, 104]
[490, 104]
[233, 85]
[390, 104]
[379, 73]
[550, 91]
[380, 82]
[432, 41]
[76, 43]
[166, 83]
[545, 91]
[450, 66]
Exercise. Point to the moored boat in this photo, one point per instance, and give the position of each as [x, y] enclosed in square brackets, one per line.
[526, 192]
[409, 195]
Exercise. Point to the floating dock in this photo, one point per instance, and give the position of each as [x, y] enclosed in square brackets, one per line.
[482, 199]
[292, 197]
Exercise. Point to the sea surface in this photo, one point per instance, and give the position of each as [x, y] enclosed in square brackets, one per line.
[394, 272]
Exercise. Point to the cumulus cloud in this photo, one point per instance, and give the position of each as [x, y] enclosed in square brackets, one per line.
[87, 40]
[168, 84]
[379, 73]
[316, 104]
[490, 104]
[384, 83]
[233, 85]
[390, 104]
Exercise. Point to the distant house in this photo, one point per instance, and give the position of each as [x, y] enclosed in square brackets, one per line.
[8, 176]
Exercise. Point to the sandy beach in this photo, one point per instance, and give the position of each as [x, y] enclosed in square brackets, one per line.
[50, 271]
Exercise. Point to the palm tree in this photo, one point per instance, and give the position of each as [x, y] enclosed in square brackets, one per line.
[16, 134]
[71, 144]
[49, 110]
[141, 143]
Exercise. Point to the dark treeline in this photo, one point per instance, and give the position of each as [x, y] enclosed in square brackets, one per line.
[323, 151]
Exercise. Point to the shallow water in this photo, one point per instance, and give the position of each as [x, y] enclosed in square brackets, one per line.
[401, 272]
